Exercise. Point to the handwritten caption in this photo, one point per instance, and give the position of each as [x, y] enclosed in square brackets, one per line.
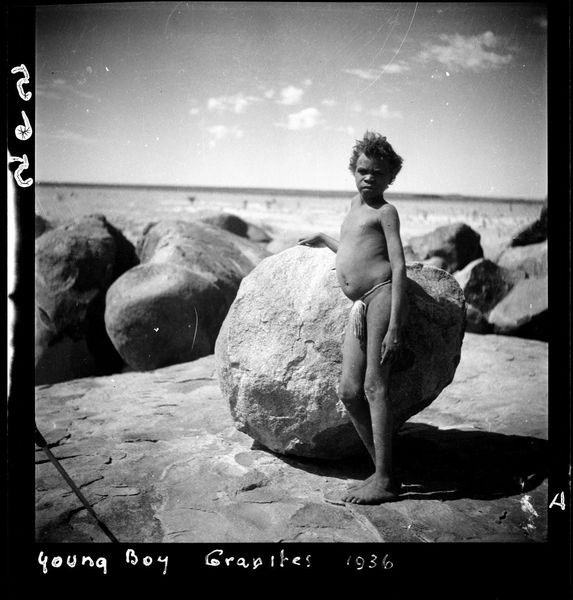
[73, 561]
[215, 559]
[23, 131]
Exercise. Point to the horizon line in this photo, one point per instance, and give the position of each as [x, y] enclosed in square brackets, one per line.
[280, 191]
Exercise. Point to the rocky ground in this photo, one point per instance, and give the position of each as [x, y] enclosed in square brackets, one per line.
[158, 456]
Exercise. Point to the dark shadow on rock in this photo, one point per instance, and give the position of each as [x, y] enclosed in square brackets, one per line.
[452, 463]
[449, 464]
[358, 467]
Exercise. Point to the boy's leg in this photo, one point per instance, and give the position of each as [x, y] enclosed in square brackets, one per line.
[381, 487]
[351, 389]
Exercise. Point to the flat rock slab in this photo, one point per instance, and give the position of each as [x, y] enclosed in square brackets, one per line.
[160, 459]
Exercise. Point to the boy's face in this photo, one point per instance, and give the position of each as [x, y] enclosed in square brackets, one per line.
[372, 176]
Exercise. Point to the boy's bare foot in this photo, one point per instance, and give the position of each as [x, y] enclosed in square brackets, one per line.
[373, 492]
[360, 484]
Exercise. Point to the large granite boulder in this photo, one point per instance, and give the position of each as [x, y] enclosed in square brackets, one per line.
[236, 225]
[529, 261]
[436, 261]
[279, 352]
[484, 285]
[458, 244]
[258, 234]
[524, 311]
[228, 222]
[75, 265]
[163, 314]
[282, 241]
[534, 233]
[170, 308]
[41, 225]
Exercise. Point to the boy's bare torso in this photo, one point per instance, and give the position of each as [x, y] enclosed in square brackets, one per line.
[362, 258]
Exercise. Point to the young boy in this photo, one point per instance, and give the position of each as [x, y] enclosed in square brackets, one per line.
[371, 270]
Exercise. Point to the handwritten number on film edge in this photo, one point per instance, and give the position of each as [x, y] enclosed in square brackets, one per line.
[23, 132]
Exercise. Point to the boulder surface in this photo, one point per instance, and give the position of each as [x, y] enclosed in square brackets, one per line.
[170, 308]
[527, 261]
[534, 233]
[75, 265]
[484, 283]
[458, 244]
[41, 225]
[524, 311]
[279, 352]
[158, 457]
[228, 222]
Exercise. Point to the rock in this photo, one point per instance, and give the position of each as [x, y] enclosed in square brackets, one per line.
[41, 225]
[534, 233]
[458, 244]
[218, 255]
[169, 435]
[228, 222]
[476, 321]
[436, 261]
[258, 234]
[524, 311]
[484, 283]
[75, 265]
[527, 261]
[279, 352]
[282, 242]
[410, 255]
[163, 314]
[170, 308]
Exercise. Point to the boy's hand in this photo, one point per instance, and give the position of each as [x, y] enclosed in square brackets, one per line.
[391, 347]
[312, 240]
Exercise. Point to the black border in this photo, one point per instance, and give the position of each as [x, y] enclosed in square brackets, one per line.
[460, 570]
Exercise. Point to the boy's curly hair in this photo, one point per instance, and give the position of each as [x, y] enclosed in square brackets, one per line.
[374, 145]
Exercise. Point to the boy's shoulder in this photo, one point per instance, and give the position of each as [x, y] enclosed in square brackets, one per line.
[388, 209]
[388, 216]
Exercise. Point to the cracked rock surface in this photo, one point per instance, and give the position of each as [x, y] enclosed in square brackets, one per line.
[158, 456]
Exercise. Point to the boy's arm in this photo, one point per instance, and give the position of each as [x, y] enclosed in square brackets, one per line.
[390, 223]
[319, 239]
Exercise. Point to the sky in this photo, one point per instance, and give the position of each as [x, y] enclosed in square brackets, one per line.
[276, 94]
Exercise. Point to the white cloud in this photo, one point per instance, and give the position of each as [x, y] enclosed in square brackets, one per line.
[356, 107]
[236, 103]
[372, 74]
[42, 92]
[269, 94]
[290, 95]
[329, 102]
[220, 132]
[347, 129]
[474, 53]
[395, 68]
[65, 135]
[305, 119]
[307, 82]
[385, 113]
[194, 111]
[59, 88]
[369, 74]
